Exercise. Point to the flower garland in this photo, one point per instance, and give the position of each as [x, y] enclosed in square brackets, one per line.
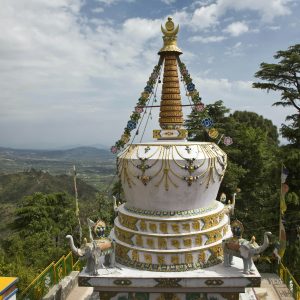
[199, 107]
[139, 109]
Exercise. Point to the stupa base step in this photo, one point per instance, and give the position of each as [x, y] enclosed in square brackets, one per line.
[217, 283]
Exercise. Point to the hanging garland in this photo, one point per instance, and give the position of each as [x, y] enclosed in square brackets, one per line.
[139, 109]
[199, 107]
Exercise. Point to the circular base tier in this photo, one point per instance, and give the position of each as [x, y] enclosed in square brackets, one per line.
[171, 243]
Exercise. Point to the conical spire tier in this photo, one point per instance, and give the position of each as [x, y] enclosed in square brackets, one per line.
[170, 116]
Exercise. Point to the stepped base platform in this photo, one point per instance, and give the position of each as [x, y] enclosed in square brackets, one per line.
[213, 283]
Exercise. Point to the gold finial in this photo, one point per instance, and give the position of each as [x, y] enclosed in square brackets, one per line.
[170, 37]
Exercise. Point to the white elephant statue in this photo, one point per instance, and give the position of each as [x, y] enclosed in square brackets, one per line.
[244, 249]
[98, 253]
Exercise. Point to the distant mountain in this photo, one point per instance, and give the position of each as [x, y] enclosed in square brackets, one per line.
[13, 187]
[73, 155]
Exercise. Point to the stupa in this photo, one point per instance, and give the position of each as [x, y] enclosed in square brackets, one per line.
[168, 234]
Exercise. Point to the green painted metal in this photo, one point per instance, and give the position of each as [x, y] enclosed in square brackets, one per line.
[289, 281]
[52, 275]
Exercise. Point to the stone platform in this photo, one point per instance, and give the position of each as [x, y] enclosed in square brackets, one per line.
[213, 283]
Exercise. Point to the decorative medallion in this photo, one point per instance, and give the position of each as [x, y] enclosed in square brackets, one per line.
[167, 282]
[214, 282]
[122, 282]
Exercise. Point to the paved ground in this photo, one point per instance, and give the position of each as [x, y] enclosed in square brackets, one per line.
[81, 293]
[271, 288]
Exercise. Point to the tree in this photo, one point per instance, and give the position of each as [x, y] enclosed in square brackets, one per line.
[283, 76]
[216, 111]
[252, 164]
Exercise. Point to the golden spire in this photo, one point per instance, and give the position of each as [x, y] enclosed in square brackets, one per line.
[170, 116]
[170, 37]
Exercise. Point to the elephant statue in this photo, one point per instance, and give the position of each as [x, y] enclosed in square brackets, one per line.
[94, 252]
[239, 247]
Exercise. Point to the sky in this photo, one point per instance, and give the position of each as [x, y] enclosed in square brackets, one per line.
[71, 71]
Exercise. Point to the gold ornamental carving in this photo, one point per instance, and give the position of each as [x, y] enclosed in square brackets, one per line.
[175, 244]
[162, 243]
[175, 260]
[161, 260]
[186, 227]
[198, 240]
[188, 258]
[143, 225]
[150, 242]
[187, 243]
[196, 225]
[135, 255]
[170, 37]
[139, 240]
[169, 113]
[171, 79]
[175, 228]
[171, 84]
[163, 227]
[148, 258]
[166, 108]
[202, 257]
[153, 227]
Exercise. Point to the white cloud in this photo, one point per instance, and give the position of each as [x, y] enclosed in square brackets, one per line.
[207, 39]
[64, 76]
[205, 16]
[236, 28]
[111, 2]
[274, 28]
[235, 50]
[56, 68]
[209, 15]
[168, 2]
[97, 9]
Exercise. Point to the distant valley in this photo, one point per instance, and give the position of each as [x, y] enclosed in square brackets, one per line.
[94, 166]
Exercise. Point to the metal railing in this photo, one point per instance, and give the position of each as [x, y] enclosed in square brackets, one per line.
[289, 281]
[52, 275]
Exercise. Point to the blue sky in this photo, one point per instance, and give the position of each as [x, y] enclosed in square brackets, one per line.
[71, 71]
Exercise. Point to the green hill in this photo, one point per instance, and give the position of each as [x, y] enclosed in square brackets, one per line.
[13, 187]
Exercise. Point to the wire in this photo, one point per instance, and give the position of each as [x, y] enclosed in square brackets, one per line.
[140, 123]
[154, 98]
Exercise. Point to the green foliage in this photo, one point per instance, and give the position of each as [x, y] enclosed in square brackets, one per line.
[283, 76]
[252, 164]
[292, 131]
[196, 131]
[40, 225]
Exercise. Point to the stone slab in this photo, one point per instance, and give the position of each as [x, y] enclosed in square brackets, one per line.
[214, 279]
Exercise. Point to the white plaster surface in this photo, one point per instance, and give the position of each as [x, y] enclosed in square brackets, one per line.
[164, 165]
[231, 276]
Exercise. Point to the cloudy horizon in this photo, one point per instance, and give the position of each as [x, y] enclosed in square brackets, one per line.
[72, 70]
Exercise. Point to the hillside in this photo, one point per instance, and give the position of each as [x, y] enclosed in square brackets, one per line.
[95, 166]
[72, 155]
[13, 187]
